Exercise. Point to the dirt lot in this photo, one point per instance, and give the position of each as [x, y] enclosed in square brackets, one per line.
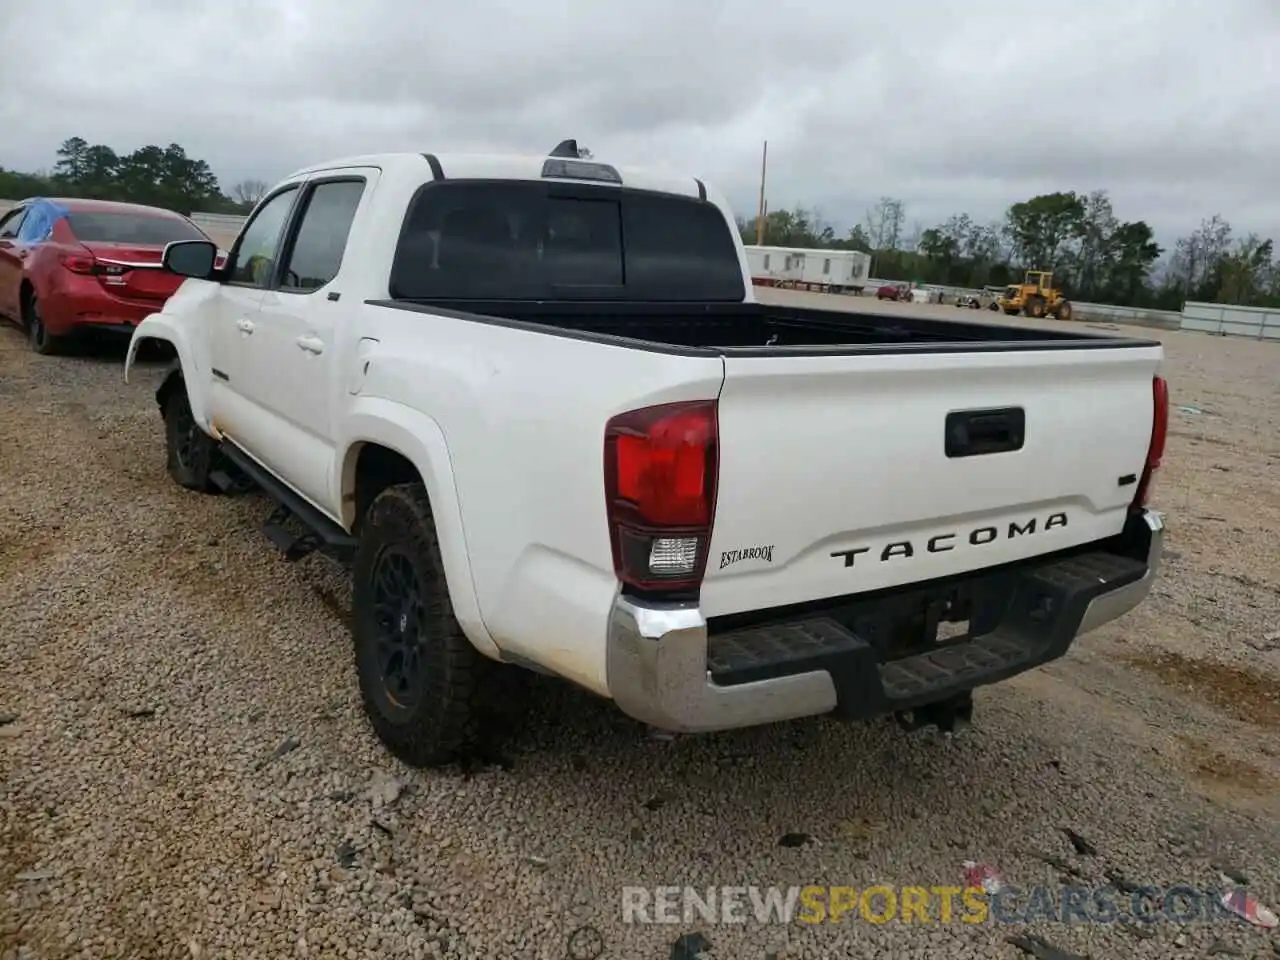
[186, 772]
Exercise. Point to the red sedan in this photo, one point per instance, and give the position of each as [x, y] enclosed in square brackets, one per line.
[71, 265]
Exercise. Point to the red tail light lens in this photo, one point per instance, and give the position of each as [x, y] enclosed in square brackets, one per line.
[1159, 434]
[660, 466]
[78, 263]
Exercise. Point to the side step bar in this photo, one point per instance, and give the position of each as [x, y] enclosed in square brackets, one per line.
[230, 480]
[320, 533]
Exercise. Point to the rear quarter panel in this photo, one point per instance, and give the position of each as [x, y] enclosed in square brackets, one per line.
[522, 414]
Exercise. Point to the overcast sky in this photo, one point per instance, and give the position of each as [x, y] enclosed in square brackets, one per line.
[1171, 105]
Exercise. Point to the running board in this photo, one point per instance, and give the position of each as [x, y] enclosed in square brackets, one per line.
[229, 479]
[319, 533]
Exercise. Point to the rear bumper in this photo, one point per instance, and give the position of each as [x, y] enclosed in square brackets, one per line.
[667, 669]
[87, 306]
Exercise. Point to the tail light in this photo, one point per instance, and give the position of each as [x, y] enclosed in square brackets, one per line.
[82, 264]
[660, 466]
[1159, 433]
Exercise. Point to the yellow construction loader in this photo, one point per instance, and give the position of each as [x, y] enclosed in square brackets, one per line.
[1036, 296]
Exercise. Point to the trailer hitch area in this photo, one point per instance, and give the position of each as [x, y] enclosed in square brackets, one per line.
[952, 715]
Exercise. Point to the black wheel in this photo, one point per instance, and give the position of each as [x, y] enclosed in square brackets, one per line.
[994, 306]
[1063, 311]
[429, 694]
[191, 452]
[1035, 308]
[42, 341]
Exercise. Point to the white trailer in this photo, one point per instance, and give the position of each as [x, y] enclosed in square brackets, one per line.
[836, 270]
[828, 270]
[775, 266]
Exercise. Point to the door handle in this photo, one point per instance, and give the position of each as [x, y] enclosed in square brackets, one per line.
[974, 433]
[311, 344]
[244, 325]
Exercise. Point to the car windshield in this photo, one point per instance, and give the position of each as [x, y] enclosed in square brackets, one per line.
[100, 226]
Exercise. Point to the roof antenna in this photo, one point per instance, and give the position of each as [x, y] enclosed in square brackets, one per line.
[565, 148]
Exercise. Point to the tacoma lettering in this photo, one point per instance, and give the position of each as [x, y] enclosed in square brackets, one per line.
[942, 542]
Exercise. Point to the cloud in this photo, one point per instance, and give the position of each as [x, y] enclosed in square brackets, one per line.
[951, 107]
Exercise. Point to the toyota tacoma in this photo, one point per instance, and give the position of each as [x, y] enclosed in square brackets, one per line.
[534, 407]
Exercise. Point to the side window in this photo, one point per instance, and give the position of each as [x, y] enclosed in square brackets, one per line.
[11, 223]
[255, 255]
[321, 239]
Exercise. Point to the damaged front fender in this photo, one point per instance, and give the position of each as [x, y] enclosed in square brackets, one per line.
[175, 331]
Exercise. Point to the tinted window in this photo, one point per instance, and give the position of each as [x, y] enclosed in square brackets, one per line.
[10, 223]
[100, 226]
[524, 241]
[322, 235]
[255, 255]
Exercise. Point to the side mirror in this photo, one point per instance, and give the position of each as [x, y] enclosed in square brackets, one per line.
[190, 258]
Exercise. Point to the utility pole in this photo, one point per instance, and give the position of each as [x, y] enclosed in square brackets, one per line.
[764, 163]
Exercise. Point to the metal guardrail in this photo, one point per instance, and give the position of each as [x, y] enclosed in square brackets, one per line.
[223, 221]
[1256, 323]
[1164, 319]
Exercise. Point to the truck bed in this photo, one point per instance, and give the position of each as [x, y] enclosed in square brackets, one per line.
[759, 328]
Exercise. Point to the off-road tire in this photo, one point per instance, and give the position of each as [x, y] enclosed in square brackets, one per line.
[191, 454]
[443, 703]
[1064, 311]
[1035, 308]
[42, 341]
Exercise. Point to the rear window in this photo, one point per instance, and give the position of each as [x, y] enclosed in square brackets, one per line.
[114, 227]
[539, 241]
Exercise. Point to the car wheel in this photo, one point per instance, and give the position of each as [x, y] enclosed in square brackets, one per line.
[42, 341]
[191, 453]
[430, 696]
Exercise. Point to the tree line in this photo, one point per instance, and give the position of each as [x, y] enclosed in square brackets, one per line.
[1094, 255]
[158, 176]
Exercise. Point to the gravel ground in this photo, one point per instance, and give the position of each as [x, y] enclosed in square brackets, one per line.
[185, 771]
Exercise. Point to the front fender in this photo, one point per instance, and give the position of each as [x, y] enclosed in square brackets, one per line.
[419, 439]
[174, 331]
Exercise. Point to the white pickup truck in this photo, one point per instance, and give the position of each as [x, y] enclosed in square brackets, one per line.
[535, 407]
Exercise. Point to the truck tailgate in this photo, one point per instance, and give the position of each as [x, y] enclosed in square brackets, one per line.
[835, 475]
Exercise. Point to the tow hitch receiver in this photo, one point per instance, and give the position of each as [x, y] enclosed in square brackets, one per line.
[951, 715]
